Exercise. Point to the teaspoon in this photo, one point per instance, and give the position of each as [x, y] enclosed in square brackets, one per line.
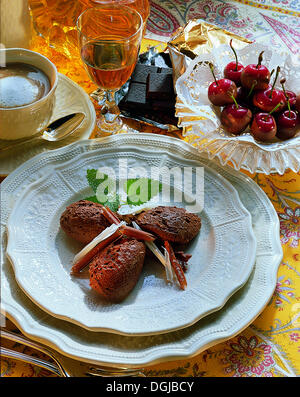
[56, 131]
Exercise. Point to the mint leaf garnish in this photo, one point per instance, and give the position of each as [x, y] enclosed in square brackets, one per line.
[141, 190]
[92, 180]
[114, 205]
[94, 183]
[138, 190]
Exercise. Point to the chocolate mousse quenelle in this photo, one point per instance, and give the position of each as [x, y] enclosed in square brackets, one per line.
[115, 251]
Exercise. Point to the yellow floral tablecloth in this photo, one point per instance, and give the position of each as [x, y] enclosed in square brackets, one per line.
[270, 346]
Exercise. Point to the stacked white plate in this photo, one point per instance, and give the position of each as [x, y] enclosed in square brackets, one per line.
[231, 275]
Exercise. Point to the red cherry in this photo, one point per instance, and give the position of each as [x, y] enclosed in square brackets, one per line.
[241, 97]
[263, 127]
[233, 73]
[245, 97]
[297, 104]
[288, 123]
[221, 92]
[267, 99]
[292, 97]
[258, 72]
[235, 118]
[233, 70]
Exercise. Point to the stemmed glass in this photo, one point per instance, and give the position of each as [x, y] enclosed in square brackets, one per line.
[109, 42]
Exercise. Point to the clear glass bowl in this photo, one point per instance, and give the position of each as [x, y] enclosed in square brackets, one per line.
[200, 119]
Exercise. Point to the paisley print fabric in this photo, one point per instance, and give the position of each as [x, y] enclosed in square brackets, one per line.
[275, 22]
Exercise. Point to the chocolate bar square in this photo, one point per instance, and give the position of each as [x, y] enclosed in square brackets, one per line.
[141, 72]
[160, 86]
[163, 105]
[137, 94]
[165, 70]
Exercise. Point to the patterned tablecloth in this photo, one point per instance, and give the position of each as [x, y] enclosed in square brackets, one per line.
[270, 346]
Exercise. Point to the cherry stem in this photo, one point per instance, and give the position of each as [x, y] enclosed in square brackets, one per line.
[234, 100]
[282, 82]
[277, 73]
[276, 107]
[236, 58]
[211, 66]
[252, 88]
[260, 58]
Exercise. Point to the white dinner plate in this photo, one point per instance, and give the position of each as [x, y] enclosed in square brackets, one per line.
[223, 253]
[111, 349]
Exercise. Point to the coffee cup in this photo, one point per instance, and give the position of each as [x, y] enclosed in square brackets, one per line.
[28, 81]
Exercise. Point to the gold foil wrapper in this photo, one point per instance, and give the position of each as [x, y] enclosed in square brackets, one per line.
[198, 37]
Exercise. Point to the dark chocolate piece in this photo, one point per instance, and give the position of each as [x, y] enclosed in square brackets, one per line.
[136, 94]
[165, 70]
[141, 72]
[160, 105]
[160, 86]
[163, 105]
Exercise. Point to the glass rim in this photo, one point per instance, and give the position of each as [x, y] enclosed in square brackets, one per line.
[117, 7]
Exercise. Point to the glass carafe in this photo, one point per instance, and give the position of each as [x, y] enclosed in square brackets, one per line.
[55, 20]
[55, 34]
[142, 6]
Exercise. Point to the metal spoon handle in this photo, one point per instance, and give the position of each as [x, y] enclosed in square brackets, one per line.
[30, 359]
[56, 131]
[27, 342]
[97, 371]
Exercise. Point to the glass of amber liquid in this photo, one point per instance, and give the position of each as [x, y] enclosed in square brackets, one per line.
[109, 43]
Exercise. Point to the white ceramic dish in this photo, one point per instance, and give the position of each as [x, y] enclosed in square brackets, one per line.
[100, 348]
[223, 253]
[201, 123]
[69, 98]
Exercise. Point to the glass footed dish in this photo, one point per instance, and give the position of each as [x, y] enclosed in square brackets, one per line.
[200, 119]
